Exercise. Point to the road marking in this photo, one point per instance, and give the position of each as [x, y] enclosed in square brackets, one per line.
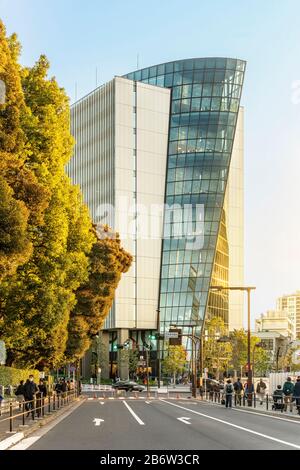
[184, 420]
[131, 398]
[250, 431]
[148, 402]
[101, 402]
[121, 398]
[90, 398]
[134, 414]
[25, 443]
[261, 414]
[45, 429]
[111, 398]
[98, 421]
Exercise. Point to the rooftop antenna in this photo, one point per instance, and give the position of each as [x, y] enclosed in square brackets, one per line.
[96, 77]
[138, 61]
[75, 91]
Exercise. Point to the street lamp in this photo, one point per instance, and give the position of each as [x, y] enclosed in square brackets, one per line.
[248, 289]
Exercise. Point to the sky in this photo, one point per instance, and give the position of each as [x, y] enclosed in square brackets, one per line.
[79, 37]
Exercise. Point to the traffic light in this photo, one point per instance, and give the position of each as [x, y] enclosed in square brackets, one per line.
[117, 346]
[152, 337]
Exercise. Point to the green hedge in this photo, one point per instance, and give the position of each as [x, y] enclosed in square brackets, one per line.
[11, 376]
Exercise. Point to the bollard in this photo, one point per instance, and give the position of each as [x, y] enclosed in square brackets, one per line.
[58, 401]
[23, 412]
[10, 417]
[43, 406]
[244, 400]
[254, 400]
[49, 404]
[53, 404]
[267, 401]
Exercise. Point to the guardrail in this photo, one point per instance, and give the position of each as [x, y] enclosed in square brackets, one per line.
[272, 402]
[37, 408]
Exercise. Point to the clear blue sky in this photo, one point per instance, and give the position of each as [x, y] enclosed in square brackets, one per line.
[78, 36]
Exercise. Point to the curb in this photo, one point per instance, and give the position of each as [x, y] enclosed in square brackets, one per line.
[5, 444]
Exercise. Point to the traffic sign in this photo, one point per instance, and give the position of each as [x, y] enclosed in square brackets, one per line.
[171, 334]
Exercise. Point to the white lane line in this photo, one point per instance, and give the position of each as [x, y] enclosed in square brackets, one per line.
[250, 431]
[262, 414]
[133, 414]
[25, 443]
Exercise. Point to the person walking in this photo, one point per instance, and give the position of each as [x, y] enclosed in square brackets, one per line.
[40, 396]
[20, 393]
[296, 394]
[30, 390]
[228, 394]
[261, 390]
[288, 389]
[238, 388]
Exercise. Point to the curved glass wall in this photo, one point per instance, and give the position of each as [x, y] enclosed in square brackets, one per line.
[204, 109]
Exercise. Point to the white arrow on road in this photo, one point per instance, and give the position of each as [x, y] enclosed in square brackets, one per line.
[98, 421]
[184, 420]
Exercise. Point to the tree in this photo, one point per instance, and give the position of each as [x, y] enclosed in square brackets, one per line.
[36, 301]
[108, 260]
[21, 196]
[175, 361]
[239, 341]
[216, 355]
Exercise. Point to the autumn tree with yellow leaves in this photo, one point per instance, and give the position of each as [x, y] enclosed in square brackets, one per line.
[49, 249]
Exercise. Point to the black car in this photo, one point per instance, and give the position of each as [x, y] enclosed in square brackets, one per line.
[128, 385]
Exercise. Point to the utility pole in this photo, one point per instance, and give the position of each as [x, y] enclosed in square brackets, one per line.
[158, 347]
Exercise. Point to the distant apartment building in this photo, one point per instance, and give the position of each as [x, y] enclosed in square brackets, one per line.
[291, 305]
[276, 321]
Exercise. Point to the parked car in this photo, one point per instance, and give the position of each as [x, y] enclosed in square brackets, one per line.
[128, 385]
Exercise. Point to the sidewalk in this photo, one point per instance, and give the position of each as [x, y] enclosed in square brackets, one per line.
[259, 409]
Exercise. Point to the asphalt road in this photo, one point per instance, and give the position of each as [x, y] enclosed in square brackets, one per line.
[164, 424]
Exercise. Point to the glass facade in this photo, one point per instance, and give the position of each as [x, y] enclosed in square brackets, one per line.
[205, 103]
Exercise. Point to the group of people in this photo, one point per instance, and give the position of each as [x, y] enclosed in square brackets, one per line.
[289, 393]
[28, 392]
[62, 386]
[285, 395]
[33, 394]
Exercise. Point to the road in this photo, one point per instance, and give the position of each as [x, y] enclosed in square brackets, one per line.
[164, 424]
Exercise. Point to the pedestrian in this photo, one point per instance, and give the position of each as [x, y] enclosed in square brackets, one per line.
[296, 394]
[30, 390]
[57, 387]
[40, 396]
[261, 390]
[228, 394]
[20, 393]
[278, 399]
[64, 388]
[248, 392]
[238, 388]
[288, 389]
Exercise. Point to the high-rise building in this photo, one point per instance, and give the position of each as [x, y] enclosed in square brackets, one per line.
[276, 321]
[291, 304]
[159, 156]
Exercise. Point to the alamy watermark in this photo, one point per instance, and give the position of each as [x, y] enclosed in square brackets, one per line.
[154, 221]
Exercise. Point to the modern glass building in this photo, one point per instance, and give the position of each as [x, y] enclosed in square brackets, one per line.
[167, 133]
[205, 102]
